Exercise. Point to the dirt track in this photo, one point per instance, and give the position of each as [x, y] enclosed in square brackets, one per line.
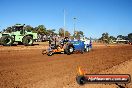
[28, 68]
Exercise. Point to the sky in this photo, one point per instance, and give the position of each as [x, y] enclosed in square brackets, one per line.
[93, 17]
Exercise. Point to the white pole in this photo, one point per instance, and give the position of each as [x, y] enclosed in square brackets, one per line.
[74, 25]
[64, 22]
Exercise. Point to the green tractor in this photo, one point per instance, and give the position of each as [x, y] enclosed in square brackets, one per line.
[19, 35]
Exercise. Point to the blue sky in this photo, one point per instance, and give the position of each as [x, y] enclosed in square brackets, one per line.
[94, 17]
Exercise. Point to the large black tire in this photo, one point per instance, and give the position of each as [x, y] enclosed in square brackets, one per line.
[6, 40]
[0, 41]
[50, 53]
[28, 41]
[87, 49]
[69, 49]
[81, 80]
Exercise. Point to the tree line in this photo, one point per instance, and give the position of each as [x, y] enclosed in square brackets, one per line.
[106, 38]
[42, 30]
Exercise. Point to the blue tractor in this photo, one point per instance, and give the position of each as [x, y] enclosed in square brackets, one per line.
[68, 47]
[81, 45]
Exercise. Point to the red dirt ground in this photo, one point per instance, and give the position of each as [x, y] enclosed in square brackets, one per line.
[26, 67]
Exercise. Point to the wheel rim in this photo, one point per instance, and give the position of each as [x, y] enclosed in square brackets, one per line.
[87, 49]
[50, 53]
[8, 41]
[29, 41]
[71, 49]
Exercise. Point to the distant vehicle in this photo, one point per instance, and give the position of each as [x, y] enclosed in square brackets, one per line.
[130, 42]
[18, 34]
[120, 40]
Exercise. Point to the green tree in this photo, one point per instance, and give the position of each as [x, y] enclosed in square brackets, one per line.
[8, 29]
[130, 36]
[28, 28]
[112, 38]
[105, 38]
[51, 32]
[78, 34]
[120, 36]
[61, 32]
[35, 29]
[41, 29]
[67, 33]
[81, 33]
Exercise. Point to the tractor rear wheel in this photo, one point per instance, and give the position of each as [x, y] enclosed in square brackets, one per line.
[6, 40]
[69, 49]
[28, 41]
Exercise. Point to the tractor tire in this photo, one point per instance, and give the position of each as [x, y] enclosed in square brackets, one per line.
[50, 53]
[0, 41]
[87, 49]
[69, 49]
[6, 40]
[28, 41]
[82, 51]
[80, 80]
